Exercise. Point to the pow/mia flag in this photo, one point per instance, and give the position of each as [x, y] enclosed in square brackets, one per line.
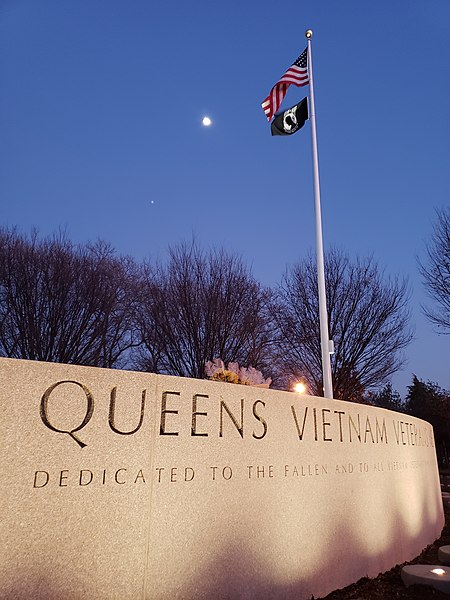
[291, 120]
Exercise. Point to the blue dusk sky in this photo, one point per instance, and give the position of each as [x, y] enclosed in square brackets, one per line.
[101, 106]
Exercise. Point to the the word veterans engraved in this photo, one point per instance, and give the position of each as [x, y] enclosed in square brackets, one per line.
[166, 488]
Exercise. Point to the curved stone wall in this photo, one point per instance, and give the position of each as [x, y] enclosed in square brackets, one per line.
[128, 485]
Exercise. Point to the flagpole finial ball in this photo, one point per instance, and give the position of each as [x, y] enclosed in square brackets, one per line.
[308, 33]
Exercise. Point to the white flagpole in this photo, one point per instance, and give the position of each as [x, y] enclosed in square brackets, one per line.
[323, 316]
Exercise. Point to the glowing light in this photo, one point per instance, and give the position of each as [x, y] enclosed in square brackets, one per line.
[438, 571]
[206, 121]
[300, 388]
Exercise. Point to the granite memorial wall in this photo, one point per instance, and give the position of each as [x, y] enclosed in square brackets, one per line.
[130, 485]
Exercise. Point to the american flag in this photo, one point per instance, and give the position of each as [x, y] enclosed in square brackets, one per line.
[296, 74]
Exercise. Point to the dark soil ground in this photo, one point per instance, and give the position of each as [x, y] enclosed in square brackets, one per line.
[389, 585]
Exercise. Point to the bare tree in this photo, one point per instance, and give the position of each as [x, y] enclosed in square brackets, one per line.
[63, 303]
[198, 307]
[368, 322]
[436, 272]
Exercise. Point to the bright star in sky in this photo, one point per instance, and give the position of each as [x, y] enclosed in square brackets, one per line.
[206, 121]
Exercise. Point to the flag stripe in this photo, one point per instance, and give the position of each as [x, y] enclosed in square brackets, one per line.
[297, 74]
